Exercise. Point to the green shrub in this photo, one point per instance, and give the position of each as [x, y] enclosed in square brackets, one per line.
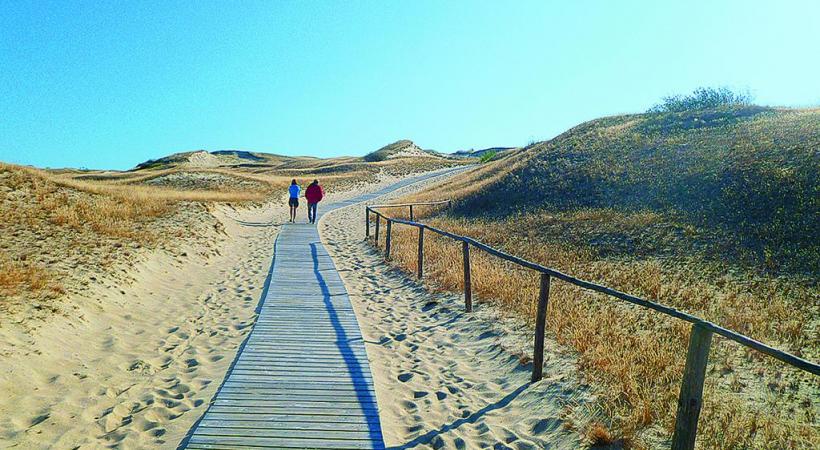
[702, 98]
[488, 156]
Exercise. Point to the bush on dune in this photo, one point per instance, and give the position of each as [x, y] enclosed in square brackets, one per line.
[702, 98]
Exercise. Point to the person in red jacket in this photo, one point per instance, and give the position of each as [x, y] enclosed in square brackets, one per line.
[313, 194]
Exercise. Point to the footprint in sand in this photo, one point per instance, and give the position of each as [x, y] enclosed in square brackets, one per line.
[38, 419]
[408, 405]
[169, 395]
[545, 426]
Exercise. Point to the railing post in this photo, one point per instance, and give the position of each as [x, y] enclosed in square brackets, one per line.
[366, 222]
[540, 329]
[378, 220]
[691, 389]
[411, 213]
[387, 240]
[421, 252]
[468, 290]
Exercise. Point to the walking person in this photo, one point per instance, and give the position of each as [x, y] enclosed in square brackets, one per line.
[314, 194]
[293, 202]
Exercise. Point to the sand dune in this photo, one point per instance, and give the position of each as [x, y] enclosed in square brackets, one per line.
[137, 367]
[446, 379]
[136, 363]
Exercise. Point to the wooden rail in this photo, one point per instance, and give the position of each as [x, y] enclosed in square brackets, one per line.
[691, 391]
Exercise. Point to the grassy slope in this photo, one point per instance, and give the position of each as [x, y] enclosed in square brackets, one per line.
[749, 174]
[714, 212]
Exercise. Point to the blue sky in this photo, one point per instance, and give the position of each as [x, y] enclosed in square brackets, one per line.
[111, 84]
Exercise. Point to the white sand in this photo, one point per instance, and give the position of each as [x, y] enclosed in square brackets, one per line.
[444, 378]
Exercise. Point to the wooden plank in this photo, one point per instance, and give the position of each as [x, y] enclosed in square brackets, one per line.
[367, 222]
[264, 349]
[304, 396]
[316, 359]
[315, 347]
[278, 374]
[420, 262]
[468, 287]
[277, 363]
[351, 402]
[322, 433]
[267, 409]
[387, 239]
[691, 390]
[378, 219]
[540, 329]
[282, 423]
[356, 355]
[283, 419]
[338, 386]
[231, 442]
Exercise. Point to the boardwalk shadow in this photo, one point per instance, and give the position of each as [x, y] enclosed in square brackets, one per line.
[356, 372]
[427, 438]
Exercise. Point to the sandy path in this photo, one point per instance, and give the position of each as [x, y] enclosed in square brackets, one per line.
[446, 379]
[136, 363]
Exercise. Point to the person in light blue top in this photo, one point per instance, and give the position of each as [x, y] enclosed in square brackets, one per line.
[294, 191]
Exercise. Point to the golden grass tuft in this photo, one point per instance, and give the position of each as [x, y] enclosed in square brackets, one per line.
[18, 277]
[598, 435]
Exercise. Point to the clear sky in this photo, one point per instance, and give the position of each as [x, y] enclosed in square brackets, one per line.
[111, 84]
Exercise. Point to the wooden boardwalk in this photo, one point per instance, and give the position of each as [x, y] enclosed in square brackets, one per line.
[301, 379]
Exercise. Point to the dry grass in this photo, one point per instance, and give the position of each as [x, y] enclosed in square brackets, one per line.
[633, 356]
[17, 277]
[145, 194]
[59, 231]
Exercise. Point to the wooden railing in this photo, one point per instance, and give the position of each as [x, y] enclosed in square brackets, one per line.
[700, 339]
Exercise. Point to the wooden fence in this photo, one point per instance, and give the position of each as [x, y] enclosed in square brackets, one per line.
[700, 339]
